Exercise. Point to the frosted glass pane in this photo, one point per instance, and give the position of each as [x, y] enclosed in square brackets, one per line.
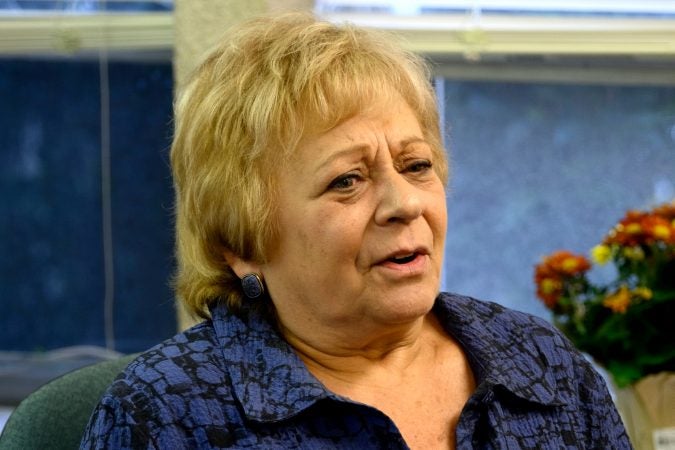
[539, 167]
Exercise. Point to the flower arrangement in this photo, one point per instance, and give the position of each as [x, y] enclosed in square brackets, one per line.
[627, 325]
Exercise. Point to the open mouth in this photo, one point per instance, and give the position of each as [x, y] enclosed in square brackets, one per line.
[405, 263]
[403, 259]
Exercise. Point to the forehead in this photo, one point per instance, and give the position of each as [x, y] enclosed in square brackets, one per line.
[391, 116]
[341, 101]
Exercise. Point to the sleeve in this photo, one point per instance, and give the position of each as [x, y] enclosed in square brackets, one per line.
[589, 404]
[604, 425]
[111, 426]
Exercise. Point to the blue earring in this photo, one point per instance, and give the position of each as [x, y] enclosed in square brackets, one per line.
[252, 286]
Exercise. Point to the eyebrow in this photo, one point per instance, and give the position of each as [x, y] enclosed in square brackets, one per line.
[360, 148]
[357, 148]
[412, 140]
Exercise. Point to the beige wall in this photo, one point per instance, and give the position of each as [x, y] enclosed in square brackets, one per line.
[198, 26]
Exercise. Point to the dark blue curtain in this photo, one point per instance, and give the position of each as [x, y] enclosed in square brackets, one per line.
[51, 249]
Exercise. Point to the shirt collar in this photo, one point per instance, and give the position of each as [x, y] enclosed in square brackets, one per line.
[519, 352]
[268, 378]
[506, 348]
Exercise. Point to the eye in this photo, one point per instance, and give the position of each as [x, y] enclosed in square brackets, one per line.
[419, 166]
[344, 182]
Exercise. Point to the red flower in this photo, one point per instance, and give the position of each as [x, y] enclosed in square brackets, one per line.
[628, 232]
[657, 228]
[552, 272]
[620, 323]
[641, 228]
[567, 263]
[667, 211]
[549, 290]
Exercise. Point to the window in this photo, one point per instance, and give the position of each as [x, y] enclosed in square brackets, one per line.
[86, 191]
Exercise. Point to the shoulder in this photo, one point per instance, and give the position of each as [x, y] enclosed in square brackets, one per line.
[479, 319]
[160, 395]
[515, 348]
[517, 356]
[189, 361]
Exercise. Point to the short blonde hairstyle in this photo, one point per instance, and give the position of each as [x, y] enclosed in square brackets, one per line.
[242, 113]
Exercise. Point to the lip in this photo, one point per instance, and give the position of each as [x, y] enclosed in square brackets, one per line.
[416, 266]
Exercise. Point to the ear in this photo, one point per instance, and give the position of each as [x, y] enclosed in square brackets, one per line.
[239, 266]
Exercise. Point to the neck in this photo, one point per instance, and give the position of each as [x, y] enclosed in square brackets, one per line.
[353, 359]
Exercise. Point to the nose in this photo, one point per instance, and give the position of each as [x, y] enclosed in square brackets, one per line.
[399, 200]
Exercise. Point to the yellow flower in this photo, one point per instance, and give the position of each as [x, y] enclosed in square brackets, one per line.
[643, 292]
[661, 232]
[549, 285]
[601, 254]
[569, 265]
[619, 301]
[635, 253]
[633, 228]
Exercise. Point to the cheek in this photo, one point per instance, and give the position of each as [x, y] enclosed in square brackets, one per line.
[306, 236]
[438, 217]
[332, 233]
[442, 218]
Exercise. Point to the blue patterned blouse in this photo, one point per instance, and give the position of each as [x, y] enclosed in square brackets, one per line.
[233, 382]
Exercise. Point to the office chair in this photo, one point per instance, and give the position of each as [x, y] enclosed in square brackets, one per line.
[55, 416]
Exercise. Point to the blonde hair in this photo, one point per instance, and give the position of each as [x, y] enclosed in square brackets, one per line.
[242, 113]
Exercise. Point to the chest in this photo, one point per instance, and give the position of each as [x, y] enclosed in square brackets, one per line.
[493, 421]
[426, 415]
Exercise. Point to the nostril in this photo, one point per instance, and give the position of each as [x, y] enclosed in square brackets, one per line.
[399, 202]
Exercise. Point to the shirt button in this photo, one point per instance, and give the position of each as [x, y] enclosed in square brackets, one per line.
[488, 396]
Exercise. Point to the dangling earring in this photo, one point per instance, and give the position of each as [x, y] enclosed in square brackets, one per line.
[252, 285]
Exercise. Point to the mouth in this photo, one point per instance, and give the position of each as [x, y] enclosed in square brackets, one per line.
[403, 259]
[405, 264]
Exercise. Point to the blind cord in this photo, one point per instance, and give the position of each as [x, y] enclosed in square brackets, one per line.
[106, 198]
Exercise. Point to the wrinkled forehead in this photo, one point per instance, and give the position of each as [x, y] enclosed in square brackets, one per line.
[367, 99]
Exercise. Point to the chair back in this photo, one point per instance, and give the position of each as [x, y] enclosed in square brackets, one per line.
[56, 415]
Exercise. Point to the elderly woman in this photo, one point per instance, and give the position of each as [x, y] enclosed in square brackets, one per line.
[311, 215]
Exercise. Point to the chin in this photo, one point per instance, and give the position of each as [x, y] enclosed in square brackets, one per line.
[409, 306]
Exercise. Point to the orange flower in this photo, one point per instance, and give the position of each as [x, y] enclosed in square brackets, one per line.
[639, 228]
[667, 211]
[628, 232]
[620, 319]
[551, 273]
[618, 301]
[656, 228]
[566, 263]
[549, 290]
[549, 285]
